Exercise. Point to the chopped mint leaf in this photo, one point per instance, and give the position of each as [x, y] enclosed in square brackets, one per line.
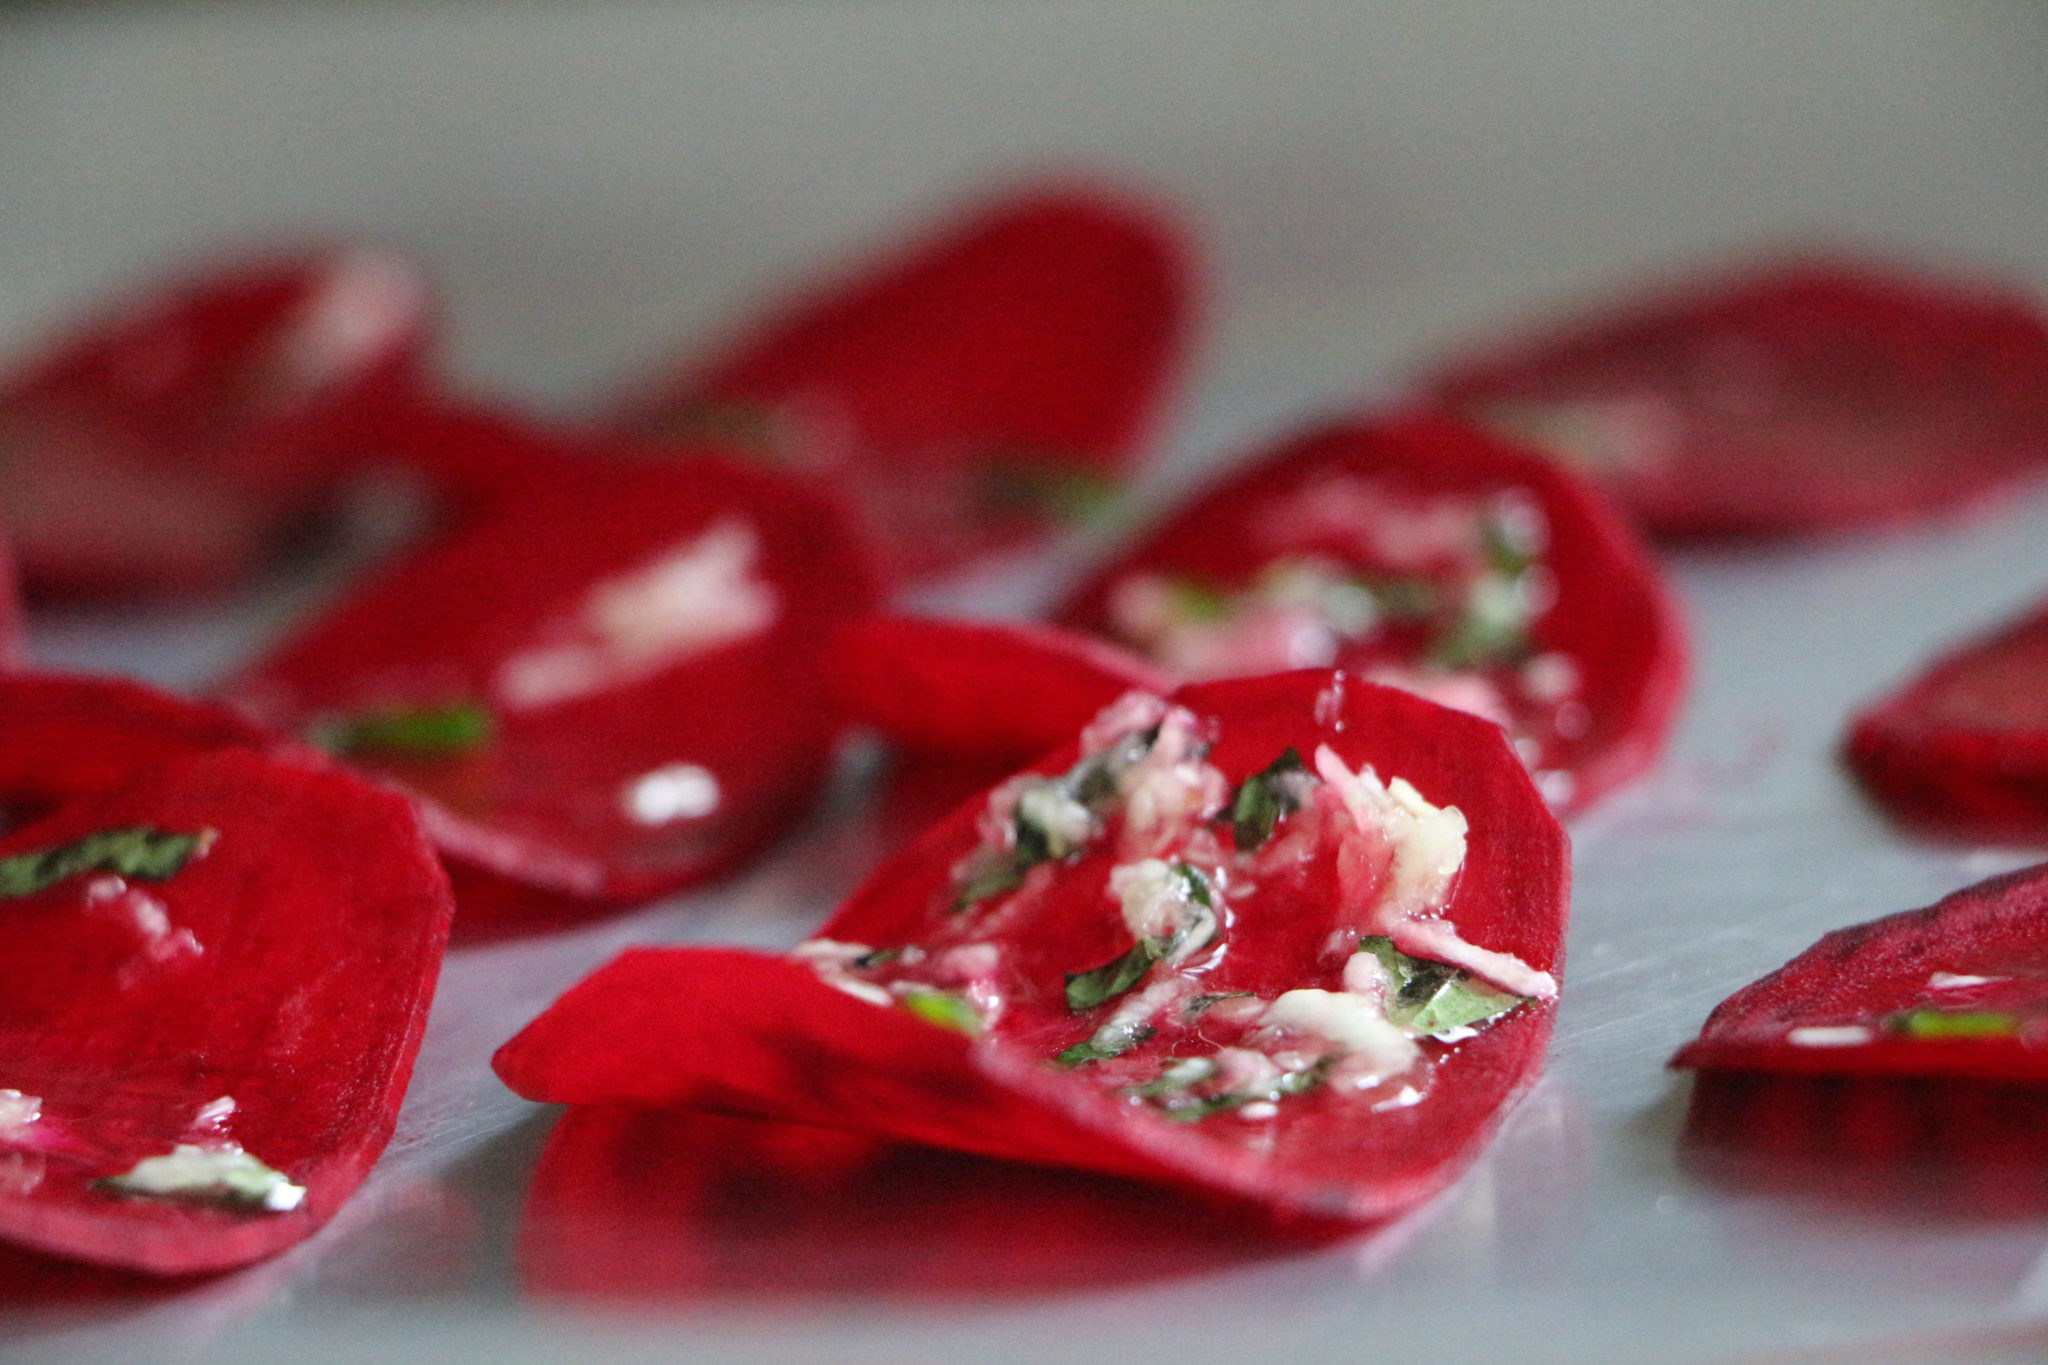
[410, 731]
[151, 855]
[1403, 599]
[994, 879]
[1940, 1024]
[1193, 600]
[1086, 990]
[1201, 1003]
[880, 957]
[1042, 485]
[1480, 639]
[1266, 797]
[1197, 885]
[1432, 999]
[1105, 1044]
[1508, 552]
[943, 1009]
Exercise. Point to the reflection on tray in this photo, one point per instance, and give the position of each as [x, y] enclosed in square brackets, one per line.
[697, 1209]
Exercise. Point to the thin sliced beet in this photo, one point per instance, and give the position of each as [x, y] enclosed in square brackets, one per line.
[1430, 556]
[1963, 748]
[661, 1207]
[170, 444]
[1293, 926]
[13, 633]
[220, 973]
[1957, 989]
[607, 687]
[995, 692]
[68, 737]
[970, 389]
[1796, 397]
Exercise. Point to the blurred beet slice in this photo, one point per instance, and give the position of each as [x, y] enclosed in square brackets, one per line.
[1957, 989]
[969, 390]
[1295, 984]
[609, 689]
[992, 692]
[1963, 748]
[1802, 396]
[657, 1207]
[1428, 556]
[220, 975]
[13, 632]
[67, 737]
[168, 445]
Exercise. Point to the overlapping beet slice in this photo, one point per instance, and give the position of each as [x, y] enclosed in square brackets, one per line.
[971, 388]
[1795, 397]
[169, 445]
[607, 688]
[1963, 748]
[951, 1004]
[67, 737]
[13, 644]
[1430, 556]
[220, 972]
[998, 693]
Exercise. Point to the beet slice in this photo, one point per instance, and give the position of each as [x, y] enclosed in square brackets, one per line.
[1428, 555]
[169, 445]
[1957, 989]
[69, 737]
[671, 1208]
[1963, 748]
[997, 692]
[13, 632]
[608, 691]
[1790, 398]
[226, 962]
[971, 388]
[1044, 1070]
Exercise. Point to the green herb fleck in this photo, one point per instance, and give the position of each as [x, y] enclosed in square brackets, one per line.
[1038, 484]
[1431, 999]
[140, 851]
[1943, 1024]
[1191, 599]
[412, 731]
[1103, 1045]
[1403, 599]
[1266, 797]
[1086, 990]
[1200, 1004]
[943, 1009]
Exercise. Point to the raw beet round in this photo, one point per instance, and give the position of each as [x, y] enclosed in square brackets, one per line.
[967, 389]
[1963, 748]
[170, 444]
[287, 967]
[1975, 956]
[1794, 397]
[760, 1034]
[607, 687]
[996, 692]
[1350, 493]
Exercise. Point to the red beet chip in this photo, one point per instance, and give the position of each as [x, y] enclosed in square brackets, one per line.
[610, 691]
[1196, 947]
[1796, 397]
[171, 444]
[13, 638]
[1963, 749]
[65, 738]
[970, 389]
[997, 692]
[1426, 555]
[219, 977]
[1957, 989]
